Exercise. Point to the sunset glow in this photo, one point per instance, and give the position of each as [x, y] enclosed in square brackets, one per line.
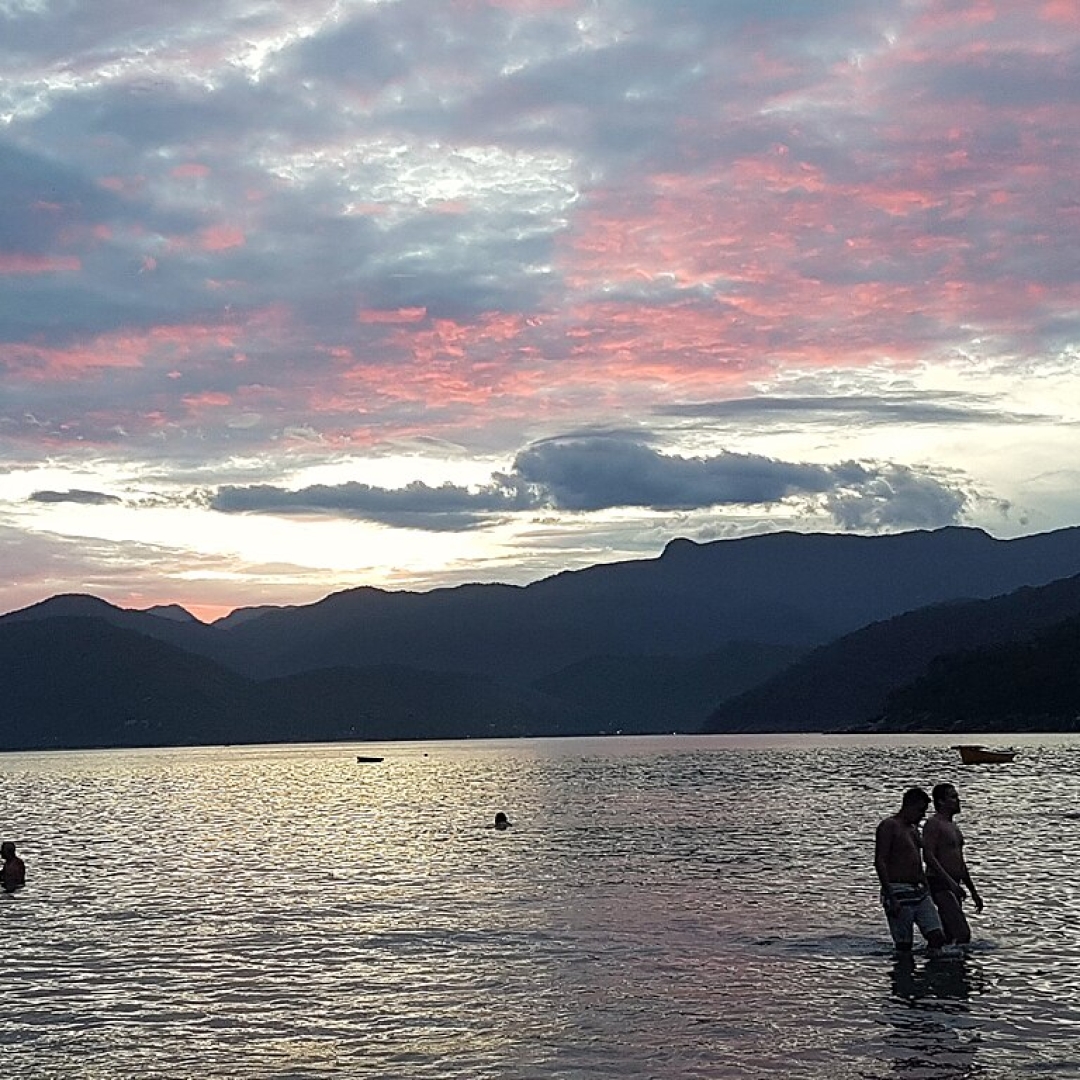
[411, 294]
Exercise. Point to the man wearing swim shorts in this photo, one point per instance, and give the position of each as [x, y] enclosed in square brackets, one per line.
[898, 860]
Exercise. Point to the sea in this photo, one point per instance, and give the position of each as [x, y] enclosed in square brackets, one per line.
[667, 907]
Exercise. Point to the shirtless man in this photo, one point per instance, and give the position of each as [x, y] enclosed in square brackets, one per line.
[905, 894]
[946, 869]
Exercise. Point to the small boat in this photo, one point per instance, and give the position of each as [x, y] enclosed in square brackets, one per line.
[980, 755]
[360, 758]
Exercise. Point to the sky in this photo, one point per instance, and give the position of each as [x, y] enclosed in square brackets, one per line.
[302, 296]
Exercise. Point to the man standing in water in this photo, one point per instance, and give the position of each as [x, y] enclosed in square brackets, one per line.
[905, 894]
[13, 874]
[946, 868]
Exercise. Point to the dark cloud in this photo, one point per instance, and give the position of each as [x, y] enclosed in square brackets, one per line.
[104, 30]
[417, 505]
[1006, 80]
[595, 473]
[42, 198]
[462, 265]
[904, 407]
[894, 497]
[363, 53]
[599, 474]
[74, 495]
[78, 249]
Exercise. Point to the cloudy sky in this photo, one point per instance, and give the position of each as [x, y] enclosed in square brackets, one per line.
[302, 295]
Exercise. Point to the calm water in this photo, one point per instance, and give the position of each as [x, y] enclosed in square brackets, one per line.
[662, 907]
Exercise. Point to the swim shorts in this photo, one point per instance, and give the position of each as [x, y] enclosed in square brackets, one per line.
[916, 909]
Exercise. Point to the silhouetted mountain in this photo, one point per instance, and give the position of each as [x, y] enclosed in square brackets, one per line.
[631, 646]
[79, 681]
[74, 681]
[648, 694]
[392, 702]
[172, 611]
[781, 589]
[188, 634]
[1031, 685]
[847, 682]
[244, 614]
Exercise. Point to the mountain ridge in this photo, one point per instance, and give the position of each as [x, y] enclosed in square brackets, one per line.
[847, 682]
[792, 589]
[635, 646]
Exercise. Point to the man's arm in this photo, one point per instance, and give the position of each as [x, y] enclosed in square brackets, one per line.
[965, 878]
[882, 846]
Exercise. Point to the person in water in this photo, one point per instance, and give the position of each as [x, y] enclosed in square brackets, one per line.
[946, 868]
[13, 874]
[905, 893]
[501, 821]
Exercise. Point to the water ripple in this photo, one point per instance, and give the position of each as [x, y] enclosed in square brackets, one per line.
[661, 908]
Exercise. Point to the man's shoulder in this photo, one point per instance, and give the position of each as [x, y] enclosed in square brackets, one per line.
[939, 821]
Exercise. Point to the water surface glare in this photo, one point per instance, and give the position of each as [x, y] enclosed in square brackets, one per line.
[662, 908]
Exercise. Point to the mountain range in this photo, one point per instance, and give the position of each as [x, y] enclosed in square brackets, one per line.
[877, 678]
[783, 631]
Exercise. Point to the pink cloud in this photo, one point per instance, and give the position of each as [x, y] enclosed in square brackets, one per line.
[20, 264]
[875, 221]
[212, 239]
[1065, 12]
[373, 316]
[120, 349]
[123, 185]
[221, 238]
[206, 400]
[190, 170]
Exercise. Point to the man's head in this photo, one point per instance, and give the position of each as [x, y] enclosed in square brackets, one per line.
[7, 849]
[946, 799]
[914, 804]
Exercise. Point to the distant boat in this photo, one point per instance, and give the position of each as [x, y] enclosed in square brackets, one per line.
[980, 755]
[362, 759]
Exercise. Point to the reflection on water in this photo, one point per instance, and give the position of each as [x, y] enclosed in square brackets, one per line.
[930, 1010]
[665, 908]
[947, 979]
